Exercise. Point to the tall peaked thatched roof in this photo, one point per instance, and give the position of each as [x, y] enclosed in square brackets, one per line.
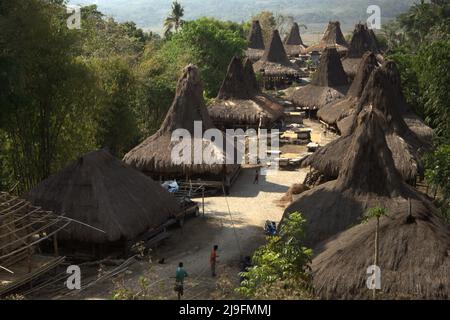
[294, 37]
[412, 120]
[154, 155]
[188, 105]
[367, 65]
[368, 177]
[333, 34]
[275, 61]
[255, 38]
[235, 84]
[403, 143]
[391, 76]
[293, 43]
[328, 84]
[362, 41]
[105, 193]
[256, 42]
[239, 102]
[332, 37]
[335, 111]
[250, 76]
[413, 240]
[330, 72]
[275, 51]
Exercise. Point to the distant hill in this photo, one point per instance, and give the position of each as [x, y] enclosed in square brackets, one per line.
[149, 14]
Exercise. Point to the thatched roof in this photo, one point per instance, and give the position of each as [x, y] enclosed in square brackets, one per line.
[105, 193]
[328, 84]
[250, 77]
[153, 155]
[256, 42]
[413, 245]
[414, 123]
[403, 143]
[362, 41]
[368, 178]
[332, 37]
[335, 111]
[255, 37]
[413, 257]
[411, 119]
[235, 84]
[275, 61]
[293, 43]
[240, 103]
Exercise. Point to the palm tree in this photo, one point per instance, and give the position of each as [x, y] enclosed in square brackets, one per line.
[376, 212]
[174, 21]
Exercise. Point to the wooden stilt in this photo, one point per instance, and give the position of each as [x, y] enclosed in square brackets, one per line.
[203, 201]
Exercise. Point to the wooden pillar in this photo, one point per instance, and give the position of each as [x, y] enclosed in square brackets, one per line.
[203, 201]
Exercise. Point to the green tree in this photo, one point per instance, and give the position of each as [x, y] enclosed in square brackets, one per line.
[174, 21]
[268, 23]
[211, 45]
[46, 89]
[115, 119]
[432, 68]
[438, 175]
[282, 266]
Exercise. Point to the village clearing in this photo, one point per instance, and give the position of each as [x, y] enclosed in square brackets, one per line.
[237, 236]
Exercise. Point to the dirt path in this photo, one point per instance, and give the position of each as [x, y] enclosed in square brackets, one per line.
[239, 235]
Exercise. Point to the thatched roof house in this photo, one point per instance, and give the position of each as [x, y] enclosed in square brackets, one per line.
[412, 120]
[368, 177]
[103, 192]
[332, 37]
[275, 62]
[255, 42]
[154, 155]
[293, 43]
[414, 241]
[335, 111]
[239, 104]
[405, 146]
[328, 84]
[362, 41]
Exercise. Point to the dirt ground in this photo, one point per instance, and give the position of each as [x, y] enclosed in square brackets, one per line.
[238, 231]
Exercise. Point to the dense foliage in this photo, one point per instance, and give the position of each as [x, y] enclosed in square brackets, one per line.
[419, 41]
[68, 91]
[281, 267]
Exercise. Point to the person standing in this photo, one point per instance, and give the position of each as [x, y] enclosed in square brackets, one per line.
[213, 260]
[179, 282]
[256, 180]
